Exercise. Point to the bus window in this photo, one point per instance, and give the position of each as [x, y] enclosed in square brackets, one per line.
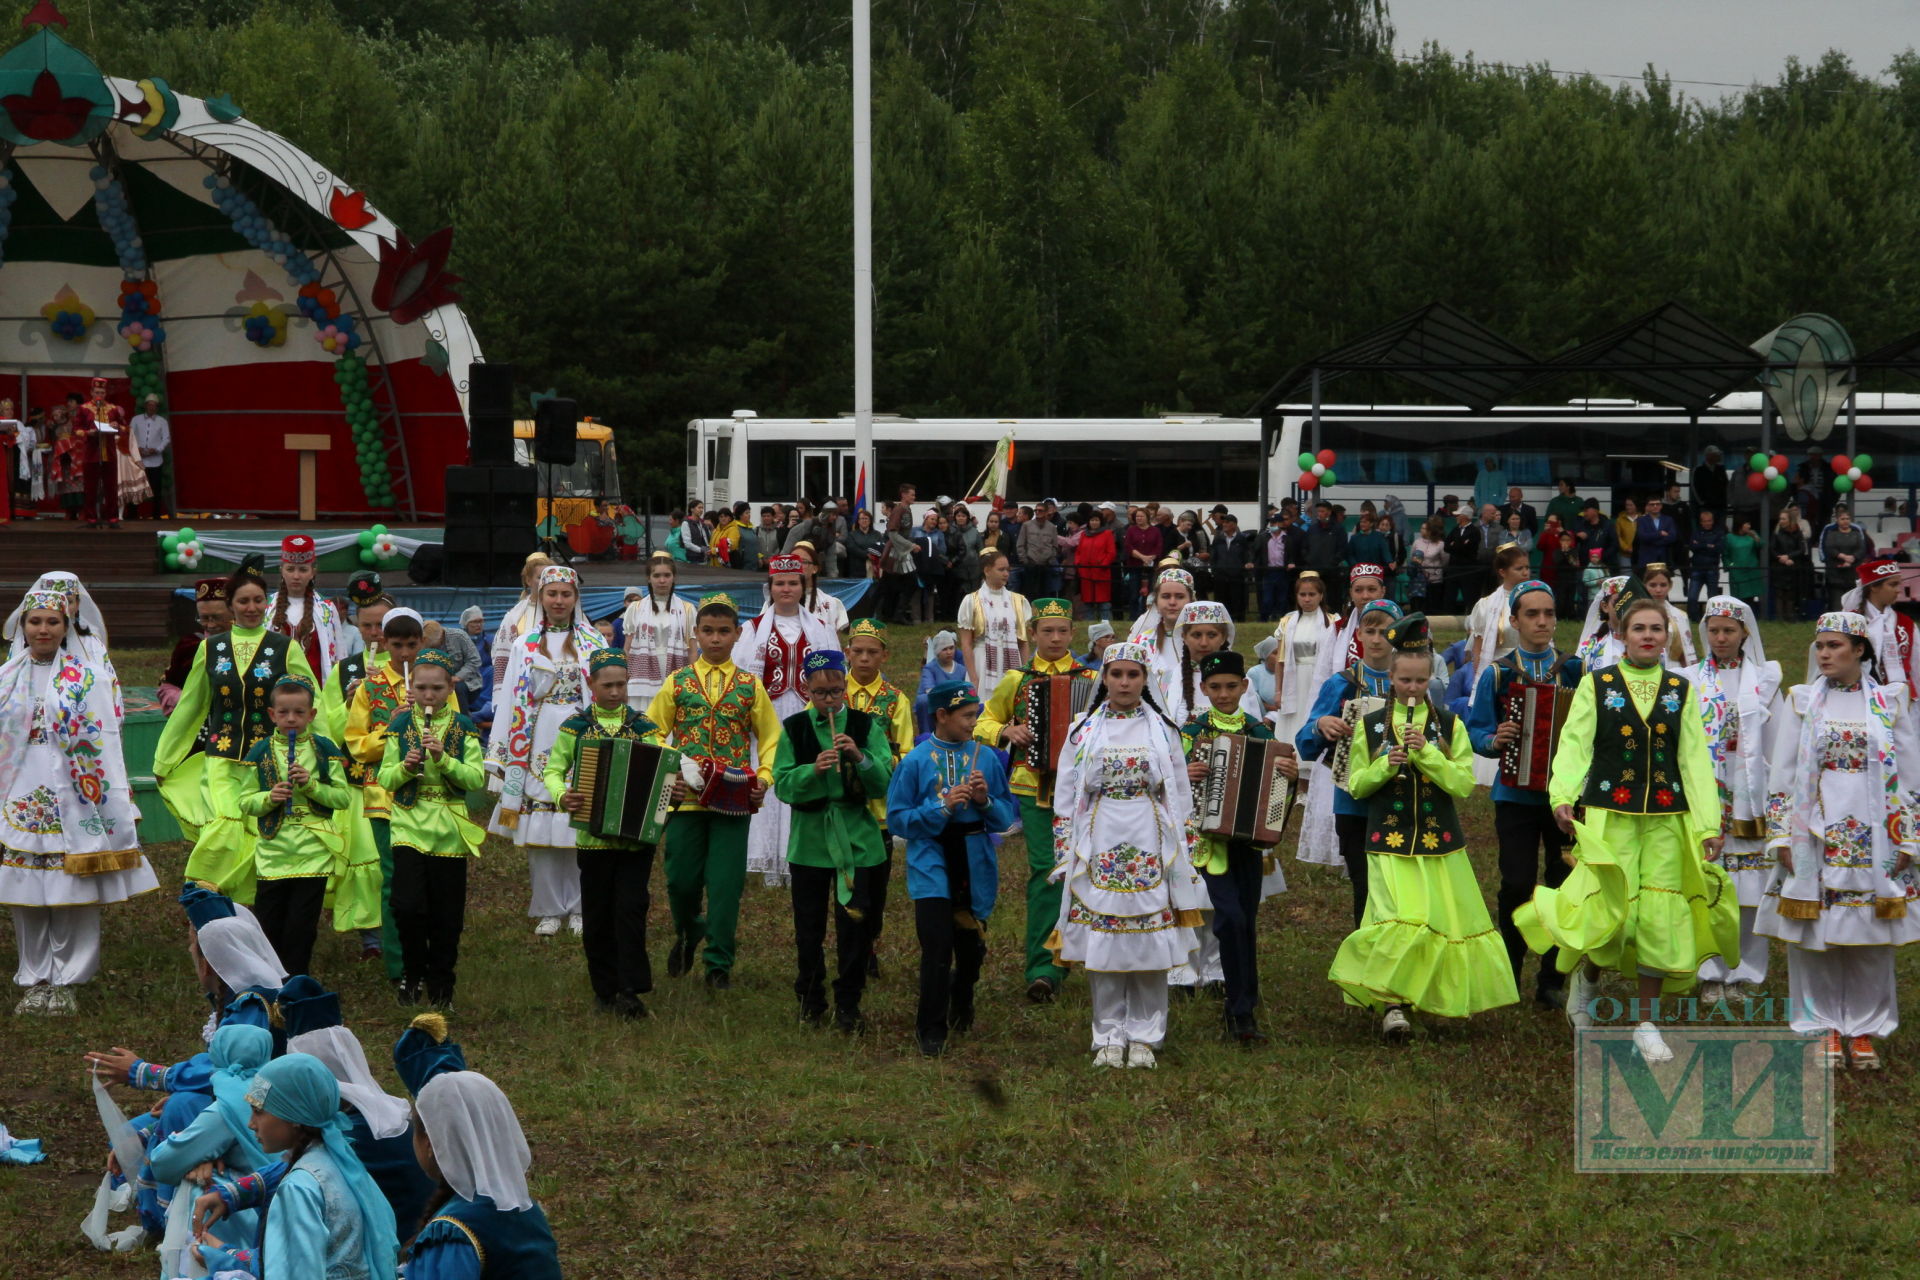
[1084, 472]
[770, 470]
[931, 468]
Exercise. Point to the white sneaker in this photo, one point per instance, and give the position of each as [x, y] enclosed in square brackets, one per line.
[35, 1001]
[1395, 1026]
[1580, 997]
[1141, 1055]
[548, 926]
[1712, 993]
[62, 1002]
[575, 924]
[1109, 1055]
[1646, 1038]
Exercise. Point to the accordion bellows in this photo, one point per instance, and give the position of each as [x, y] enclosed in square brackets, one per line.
[629, 788]
[1245, 796]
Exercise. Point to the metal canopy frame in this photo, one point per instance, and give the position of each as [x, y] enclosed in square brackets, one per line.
[1434, 347]
[1671, 354]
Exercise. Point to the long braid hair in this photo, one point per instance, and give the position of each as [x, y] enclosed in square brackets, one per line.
[279, 620]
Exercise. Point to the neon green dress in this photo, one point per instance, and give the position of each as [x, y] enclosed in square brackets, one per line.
[1426, 939]
[1641, 895]
[354, 884]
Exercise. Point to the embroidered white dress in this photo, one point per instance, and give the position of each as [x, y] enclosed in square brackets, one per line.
[1000, 620]
[1741, 707]
[68, 838]
[772, 647]
[827, 607]
[659, 643]
[1164, 677]
[1839, 800]
[1301, 637]
[544, 686]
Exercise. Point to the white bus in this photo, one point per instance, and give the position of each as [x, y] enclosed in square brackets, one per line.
[1185, 461]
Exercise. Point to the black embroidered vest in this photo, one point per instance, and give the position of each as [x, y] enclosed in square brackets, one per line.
[1412, 814]
[1636, 761]
[237, 702]
[807, 745]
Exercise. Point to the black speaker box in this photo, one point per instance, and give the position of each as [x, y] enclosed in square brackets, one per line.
[490, 414]
[553, 432]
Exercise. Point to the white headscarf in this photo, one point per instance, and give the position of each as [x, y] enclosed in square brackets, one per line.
[238, 950]
[942, 640]
[85, 612]
[340, 1050]
[1750, 691]
[476, 1139]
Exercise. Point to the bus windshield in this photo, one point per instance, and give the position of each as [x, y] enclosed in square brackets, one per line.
[594, 474]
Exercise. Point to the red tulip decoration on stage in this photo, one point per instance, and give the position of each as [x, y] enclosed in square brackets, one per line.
[1850, 474]
[1316, 470]
[1768, 474]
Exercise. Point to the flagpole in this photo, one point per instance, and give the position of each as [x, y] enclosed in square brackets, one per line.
[864, 491]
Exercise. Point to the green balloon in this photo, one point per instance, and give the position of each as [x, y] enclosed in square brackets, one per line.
[379, 529]
[173, 561]
[1777, 485]
[1841, 484]
[186, 535]
[366, 538]
[367, 558]
[1328, 478]
[1864, 461]
[1306, 462]
[170, 542]
[1758, 462]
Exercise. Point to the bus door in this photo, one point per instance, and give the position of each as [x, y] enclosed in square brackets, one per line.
[824, 473]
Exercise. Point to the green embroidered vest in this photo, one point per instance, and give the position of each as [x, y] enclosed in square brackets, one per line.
[1636, 760]
[237, 702]
[267, 767]
[453, 738]
[1411, 814]
[721, 730]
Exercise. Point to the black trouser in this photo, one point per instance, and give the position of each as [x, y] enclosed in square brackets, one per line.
[1236, 904]
[613, 920]
[1521, 829]
[1350, 830]
[812, 889]
[950, 959]
[877, 901]
[288, 910]
[1230, 589]
[430, 910]
[950, 953]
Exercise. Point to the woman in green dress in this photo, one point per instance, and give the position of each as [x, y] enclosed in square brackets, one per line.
[1642, 899]
[1746, 577]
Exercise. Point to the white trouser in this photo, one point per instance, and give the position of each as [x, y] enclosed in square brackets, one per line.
[1844, 989]
[1128, 1008]
[1753, 956]
[556, 882]
[1203, 965]
[60, 945]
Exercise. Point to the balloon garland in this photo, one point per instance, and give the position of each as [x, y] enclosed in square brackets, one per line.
[1850, 474]
[1768, 474]
[139, 298]
[337, 332]
[377, 546]
[181, 550]
[1316, 470]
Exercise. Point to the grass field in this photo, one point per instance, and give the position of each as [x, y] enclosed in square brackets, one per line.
[721, 1139]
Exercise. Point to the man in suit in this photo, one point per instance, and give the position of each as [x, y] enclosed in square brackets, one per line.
[1462, 573]
[1529, 518]
[1654, 535]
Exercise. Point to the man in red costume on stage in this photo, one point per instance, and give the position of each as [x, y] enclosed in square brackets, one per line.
[104, 425]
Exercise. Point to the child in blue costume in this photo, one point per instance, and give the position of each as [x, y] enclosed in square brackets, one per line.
[483, 1223]
[944, 799]
[219, 1132]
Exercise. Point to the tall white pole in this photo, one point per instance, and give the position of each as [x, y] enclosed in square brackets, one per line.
[863, 254]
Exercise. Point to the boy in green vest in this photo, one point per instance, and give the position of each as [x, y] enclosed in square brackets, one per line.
[870, 691]
[613, 871]
[297, 785]
[728, 734]
[833, 762]
[1002, 724]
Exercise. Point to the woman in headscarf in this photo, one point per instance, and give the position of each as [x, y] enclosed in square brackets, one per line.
[546, 681]
[326, 1217]
[1740, 704]
[1841, 818]
[220, 1132]
[86, 627]
[659, 633]
[226, 693]
[944, 663]
[70, 842]
[523, 617]
[1599, 646]
[1159, 628]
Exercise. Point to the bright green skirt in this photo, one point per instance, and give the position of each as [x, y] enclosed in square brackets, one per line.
[1426, 940]
[184, 793]
[353, 888]
[223, 848]
[1640, 895]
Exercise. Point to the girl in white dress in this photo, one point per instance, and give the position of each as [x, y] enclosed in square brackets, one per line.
[523, 617]
[772, 647]
[823, 605]
[1739, 698]
[1302, 634]
[1159, 628]
[995, 625]
[1133, 900]
[659, 632]
[1658, 580]
[546, 681]
[69, 842]
[1843, 800]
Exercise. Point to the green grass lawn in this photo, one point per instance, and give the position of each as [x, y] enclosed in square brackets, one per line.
[721, 1139]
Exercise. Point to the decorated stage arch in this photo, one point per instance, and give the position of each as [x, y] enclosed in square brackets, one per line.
[175, 246]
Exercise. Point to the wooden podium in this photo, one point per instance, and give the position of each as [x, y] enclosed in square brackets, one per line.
[308, 446]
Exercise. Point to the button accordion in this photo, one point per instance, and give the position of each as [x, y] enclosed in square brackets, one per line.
[629, 788]
[1245, 796]
[1048, 706]
[1357, 709]
[1540, 710]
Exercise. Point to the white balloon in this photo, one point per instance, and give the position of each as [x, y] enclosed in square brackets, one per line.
[1319, 468]
[1853, 473]
[1772, 472]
